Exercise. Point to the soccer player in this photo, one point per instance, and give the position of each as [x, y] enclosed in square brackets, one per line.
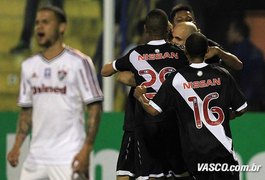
[56, 85]
[184, 29]
[203, 96]
[216, 54]
[150, 64]
[31, 8]
[181, 13]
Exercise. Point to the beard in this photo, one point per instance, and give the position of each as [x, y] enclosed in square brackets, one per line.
[48, 42]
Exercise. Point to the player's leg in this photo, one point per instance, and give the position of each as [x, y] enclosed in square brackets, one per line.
[217, 176]
[126, 161]
[180, 178]
[149, 155]
[203, 176]
[33, 171]
[160, 178]
[174, 163]
[228, 175]
[125, 178]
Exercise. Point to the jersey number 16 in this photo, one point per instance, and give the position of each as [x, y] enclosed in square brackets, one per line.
[206, 113]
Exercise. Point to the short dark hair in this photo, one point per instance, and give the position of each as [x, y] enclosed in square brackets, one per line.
[180, 7]
[59, 13]
[196, 45]
[156, 22]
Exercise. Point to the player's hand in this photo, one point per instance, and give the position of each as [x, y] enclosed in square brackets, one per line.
[212, 51]
[13, 156]
[139, 91]
[80, 164]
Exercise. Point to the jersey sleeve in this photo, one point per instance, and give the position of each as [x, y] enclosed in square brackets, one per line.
[122, 64]
[25, 94]
[163, 98]
[88, 83]
[238, 100]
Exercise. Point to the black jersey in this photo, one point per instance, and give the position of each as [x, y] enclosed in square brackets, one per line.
[202, 95]
[129, 116]
[151, 63]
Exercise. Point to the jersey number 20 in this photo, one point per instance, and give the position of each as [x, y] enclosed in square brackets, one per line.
[161, 76]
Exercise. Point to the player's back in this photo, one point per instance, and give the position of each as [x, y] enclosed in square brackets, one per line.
[152, 63]
[203, 98]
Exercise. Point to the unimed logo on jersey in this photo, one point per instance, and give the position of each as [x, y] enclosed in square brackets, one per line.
[48, 89]
[158, 56]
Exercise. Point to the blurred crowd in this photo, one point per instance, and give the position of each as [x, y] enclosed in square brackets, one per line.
[223, 21]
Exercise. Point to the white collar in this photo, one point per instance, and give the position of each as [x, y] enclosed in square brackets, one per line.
[157, 42]
[198, 65]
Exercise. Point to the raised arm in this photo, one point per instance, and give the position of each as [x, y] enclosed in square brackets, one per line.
[229, 59]
[23, 128]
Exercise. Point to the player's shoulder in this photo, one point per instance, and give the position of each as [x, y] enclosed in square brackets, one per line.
[76, 56]
[220, 69]
[176, 47]
[163, 45]
[31, 59]
[75, 53]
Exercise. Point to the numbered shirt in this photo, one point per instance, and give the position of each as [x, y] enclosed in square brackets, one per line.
[202, 95]
[151, 64]
[57, 91]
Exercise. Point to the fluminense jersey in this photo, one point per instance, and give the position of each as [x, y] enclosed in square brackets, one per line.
[202, 95]
[151, 63]
[57, 90]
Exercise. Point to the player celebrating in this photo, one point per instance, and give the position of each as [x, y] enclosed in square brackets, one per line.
[150, 64]
[202, 96]
[55, 84]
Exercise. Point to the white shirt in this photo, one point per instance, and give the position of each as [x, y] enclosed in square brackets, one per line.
[57, 91]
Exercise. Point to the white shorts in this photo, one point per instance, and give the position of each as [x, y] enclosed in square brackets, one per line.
[48, 172]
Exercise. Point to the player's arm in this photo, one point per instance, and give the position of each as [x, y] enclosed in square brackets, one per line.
[229, 59]
[240, 111]
[81, 160]
[126, 78]
[139, 95]
[23, 128]
[108, 70]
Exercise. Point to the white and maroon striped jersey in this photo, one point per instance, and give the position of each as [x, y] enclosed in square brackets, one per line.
[202, 96]
[57, 90]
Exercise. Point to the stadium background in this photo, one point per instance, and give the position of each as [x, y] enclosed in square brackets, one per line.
[85, 25]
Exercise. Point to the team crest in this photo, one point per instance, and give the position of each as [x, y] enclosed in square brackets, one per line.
[61, 75]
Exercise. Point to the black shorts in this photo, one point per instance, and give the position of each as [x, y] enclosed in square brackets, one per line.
[175, 165]
[126, 159]
[158, 150]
